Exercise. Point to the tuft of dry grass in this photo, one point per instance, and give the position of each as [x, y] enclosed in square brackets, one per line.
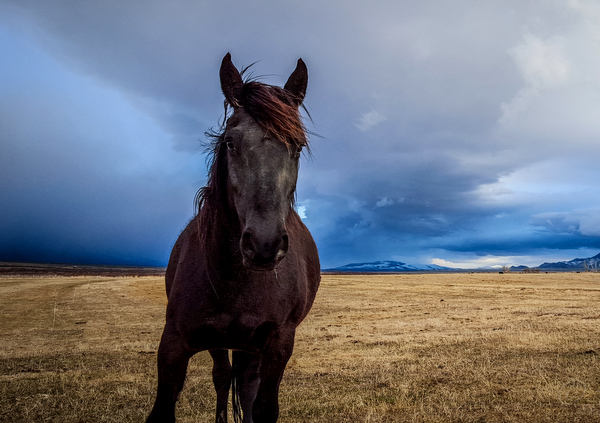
[379, 348]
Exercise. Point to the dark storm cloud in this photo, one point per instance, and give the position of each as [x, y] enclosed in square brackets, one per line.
[444, 127]
[84, 176]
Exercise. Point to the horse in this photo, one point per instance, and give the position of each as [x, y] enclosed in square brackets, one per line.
[244, 272]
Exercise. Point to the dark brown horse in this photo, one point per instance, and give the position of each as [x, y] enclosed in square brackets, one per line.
[244, 272]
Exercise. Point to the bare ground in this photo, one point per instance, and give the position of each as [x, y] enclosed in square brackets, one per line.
[379, 348]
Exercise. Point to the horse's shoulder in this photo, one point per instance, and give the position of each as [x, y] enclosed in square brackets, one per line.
[185, 247]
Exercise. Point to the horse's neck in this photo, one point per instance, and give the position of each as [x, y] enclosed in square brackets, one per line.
[221, 236]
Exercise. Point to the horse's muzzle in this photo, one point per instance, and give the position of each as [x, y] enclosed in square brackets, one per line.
[263, 253]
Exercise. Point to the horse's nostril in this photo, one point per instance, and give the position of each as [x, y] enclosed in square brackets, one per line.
[283, 248]
[247, 247]
[280, 255]
[285, 240]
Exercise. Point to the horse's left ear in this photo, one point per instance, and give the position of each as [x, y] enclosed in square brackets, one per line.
[297, 82]
[231, 82]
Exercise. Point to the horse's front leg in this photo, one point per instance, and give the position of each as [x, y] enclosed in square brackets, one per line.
[266, 405]
[246, 369]
[173, 358]
[221, 374]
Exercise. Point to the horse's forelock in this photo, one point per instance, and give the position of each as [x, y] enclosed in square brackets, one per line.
[274, 110]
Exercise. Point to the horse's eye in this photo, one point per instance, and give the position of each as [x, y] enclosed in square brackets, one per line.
[298, 151]
[229, 143]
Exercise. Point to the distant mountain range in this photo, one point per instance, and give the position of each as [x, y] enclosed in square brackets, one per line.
[578, 264]
[388, 266]
[592, 263]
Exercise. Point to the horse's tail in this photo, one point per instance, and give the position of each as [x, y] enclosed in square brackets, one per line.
[235, 396]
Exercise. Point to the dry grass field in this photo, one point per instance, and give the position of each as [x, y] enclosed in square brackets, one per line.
[380, 348]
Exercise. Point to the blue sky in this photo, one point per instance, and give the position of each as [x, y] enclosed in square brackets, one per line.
[461, 133]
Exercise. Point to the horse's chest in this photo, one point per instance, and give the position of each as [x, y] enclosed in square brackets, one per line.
[246, 332]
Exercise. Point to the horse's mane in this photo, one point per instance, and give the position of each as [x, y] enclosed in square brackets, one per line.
[276, 112]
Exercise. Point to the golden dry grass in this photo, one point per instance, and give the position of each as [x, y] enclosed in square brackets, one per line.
[381, 348]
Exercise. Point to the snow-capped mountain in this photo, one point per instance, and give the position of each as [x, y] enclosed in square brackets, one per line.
[388, 266]
[575, 264]
[578, 264]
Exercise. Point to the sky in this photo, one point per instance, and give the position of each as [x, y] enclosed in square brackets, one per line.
[463, 133]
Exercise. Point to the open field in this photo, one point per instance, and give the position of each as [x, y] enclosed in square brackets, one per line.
[380, 348]
[49, 269]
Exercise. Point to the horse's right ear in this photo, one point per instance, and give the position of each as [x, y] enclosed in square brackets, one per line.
[231, 82]
[297, 83]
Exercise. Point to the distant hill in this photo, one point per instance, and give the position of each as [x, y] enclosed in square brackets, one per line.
[388, 266]
[518, 268]
[573, 265]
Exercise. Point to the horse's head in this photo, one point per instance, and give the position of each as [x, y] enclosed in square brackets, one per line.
[263, 139]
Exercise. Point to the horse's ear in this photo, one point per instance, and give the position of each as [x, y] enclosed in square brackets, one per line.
[231, 82]
[297, 82]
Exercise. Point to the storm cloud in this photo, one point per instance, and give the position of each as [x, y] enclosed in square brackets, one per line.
[456, 133]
